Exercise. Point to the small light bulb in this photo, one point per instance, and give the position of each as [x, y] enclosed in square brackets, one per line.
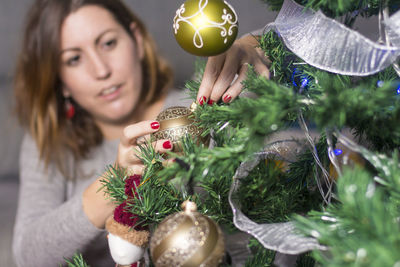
[304, 83]
[338, 151]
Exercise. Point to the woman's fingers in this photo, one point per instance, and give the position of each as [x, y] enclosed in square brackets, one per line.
[132, 132]
[135, 169]
[211, 73]
[228, 73]
[163, 146]
[235, 89]
[127, 150]
[261, 68]
[128, 155]
[219, 75]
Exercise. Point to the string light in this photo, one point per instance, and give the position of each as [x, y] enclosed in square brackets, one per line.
[293, 75]
[303, 79]
[304, 82]
[338, 151]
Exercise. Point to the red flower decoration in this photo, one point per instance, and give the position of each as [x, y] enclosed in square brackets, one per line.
[124, 217]
[131, 184]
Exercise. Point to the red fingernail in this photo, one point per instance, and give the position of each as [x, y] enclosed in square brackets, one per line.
[155, 125]
[227, 99]
[202, 100]
[167, 145]
[210, 102]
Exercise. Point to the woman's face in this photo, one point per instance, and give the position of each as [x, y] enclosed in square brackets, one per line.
[101, 64]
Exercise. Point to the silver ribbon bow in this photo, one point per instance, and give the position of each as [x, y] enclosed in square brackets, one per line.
[329, 45]
[281, 237]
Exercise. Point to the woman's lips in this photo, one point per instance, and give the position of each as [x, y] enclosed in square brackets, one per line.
[111, 92]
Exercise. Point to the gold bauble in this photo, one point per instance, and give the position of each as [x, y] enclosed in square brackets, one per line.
[175, 123]
[205, 27]
[187, 239]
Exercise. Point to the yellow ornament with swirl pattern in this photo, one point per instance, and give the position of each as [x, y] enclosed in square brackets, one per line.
[187, 239]
[205, 27]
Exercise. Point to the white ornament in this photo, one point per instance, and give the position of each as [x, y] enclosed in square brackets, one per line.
[122, 251]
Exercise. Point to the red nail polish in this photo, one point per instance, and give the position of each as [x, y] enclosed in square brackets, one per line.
[227, 99]
[155, 125]
[210, 102]
[202, 100]
[167, 145]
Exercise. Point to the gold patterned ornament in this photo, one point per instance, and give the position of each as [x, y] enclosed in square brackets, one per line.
[175, 123]
[188, 239]
[205, 27]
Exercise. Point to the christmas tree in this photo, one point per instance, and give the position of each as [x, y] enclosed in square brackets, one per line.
[333, 195]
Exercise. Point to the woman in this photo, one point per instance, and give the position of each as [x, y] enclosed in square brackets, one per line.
[88, 84]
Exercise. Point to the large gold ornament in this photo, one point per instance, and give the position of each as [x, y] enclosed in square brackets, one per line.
[205, 27]
[187, 239]
[175, 123]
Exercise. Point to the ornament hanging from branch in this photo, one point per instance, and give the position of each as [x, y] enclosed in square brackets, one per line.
[187, 238]
[176, 123]
[205, 27]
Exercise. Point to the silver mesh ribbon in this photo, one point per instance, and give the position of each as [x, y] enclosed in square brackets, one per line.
[329, 45]
[393, 29]
[281, 237]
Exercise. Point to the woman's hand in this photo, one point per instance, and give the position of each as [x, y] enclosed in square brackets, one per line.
[134, 134]
[95, 204]
[221, 70]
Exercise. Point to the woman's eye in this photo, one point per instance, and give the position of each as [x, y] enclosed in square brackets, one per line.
[110, 44]
[73, 61]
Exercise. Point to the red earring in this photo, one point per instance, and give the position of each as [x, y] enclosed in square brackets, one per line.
[69, 109]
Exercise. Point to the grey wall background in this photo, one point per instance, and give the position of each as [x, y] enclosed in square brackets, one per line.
[157, 15]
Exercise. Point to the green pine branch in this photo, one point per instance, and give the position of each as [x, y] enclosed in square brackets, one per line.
[363, 228]
[113, 183]
[76, 261]
[156, 199]
[268, 196]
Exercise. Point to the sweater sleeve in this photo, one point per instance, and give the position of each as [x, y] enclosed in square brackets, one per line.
[48, 228]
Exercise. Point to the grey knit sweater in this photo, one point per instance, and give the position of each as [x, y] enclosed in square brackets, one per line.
[50, 223]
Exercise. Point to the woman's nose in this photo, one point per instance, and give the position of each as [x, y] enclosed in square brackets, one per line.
[100, 67]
